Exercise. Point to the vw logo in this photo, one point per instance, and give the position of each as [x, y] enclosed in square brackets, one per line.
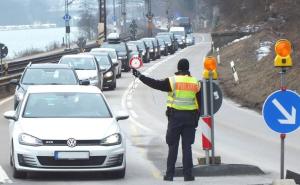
[71, 142]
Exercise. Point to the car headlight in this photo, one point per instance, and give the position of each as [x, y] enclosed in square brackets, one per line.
[25, 139]
[93, 80]
[169, 44]
[20, 96]
[122, 57]
[143, 53]
[114, 139]
[151, 50]
[108, 74]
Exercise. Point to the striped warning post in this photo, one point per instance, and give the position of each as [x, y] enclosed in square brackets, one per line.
[206, 133]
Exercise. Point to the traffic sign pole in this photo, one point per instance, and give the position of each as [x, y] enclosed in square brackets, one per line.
[212, 116]
[282, 137]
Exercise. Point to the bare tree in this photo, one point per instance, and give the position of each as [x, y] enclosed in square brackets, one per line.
[88, 20]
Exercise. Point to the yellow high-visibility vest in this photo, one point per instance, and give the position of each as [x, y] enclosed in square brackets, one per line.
[183, 95]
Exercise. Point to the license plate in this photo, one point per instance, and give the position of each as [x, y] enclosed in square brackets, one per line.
[71, 155]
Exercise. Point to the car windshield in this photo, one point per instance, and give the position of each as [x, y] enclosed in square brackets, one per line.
[132, 47]
[119, 47]
[166, 38]
[66, 105]
[141, 45]
[49, 76]
[149, 43]
[103, 61]
[181, 33]
[79, 63]
[161, 42]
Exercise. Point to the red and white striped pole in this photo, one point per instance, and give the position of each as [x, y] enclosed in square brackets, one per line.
[206, 133]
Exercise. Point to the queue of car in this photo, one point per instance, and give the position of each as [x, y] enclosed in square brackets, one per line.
[61, 121]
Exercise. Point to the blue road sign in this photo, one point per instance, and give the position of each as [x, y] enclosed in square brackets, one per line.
[67, 17]
[281, 111]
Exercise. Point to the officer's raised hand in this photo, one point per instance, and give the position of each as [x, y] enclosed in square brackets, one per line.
[136, 73]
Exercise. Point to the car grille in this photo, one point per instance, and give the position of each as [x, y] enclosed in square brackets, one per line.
[115, 160]
[27, 160]
[78, 142]
[50, 161]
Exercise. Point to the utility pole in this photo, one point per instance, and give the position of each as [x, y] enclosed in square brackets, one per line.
[114, 12]
[149, 15]
[123, 12]
[102, 21]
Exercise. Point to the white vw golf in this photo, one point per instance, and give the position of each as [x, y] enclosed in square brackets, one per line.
[65, 128]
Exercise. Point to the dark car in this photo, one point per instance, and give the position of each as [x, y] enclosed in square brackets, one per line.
[150, 45]
[181, 41]
[163, 47]
[172, 35]
[44, 74]
[143, 49]
[169, 43]
[122, 52]
[156, 46]
[134, 50]
[110, 69]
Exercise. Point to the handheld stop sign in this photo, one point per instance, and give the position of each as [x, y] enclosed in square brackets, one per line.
[136, 62]
[210, 64]
[283, 49]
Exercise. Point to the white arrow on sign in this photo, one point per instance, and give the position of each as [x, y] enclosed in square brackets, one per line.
[290, 118]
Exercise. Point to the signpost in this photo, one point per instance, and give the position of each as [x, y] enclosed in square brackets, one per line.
[209, 74]
[281, 109]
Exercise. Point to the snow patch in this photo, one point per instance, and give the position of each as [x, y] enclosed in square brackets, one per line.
[263, 50]
[238, 40]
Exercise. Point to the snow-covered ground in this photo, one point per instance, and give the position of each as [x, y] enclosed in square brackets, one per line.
[263, 50]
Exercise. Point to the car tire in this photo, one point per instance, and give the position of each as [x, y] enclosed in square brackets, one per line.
[126, 68]
[113, 86]
[16, 174]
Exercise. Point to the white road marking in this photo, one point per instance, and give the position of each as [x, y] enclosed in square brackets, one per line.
[129, 97]
[129, 104]
[3, 177]
[133, 114]
[6, 100]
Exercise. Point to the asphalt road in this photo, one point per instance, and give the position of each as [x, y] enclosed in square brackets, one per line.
[241, 135]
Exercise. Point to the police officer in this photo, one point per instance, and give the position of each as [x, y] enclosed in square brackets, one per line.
[182, 112]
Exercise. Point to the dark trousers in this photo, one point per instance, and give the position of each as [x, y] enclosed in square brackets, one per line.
[180, 123]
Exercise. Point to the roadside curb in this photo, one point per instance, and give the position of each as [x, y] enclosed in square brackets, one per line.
[222, 170]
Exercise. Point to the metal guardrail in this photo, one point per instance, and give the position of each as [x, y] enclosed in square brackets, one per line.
[16, 68]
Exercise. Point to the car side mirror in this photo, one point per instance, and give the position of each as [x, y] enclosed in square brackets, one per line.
[14, 81]
[11, 115]
[84, 82]
[122, 115]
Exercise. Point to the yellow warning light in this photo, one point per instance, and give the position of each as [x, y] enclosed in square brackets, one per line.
[206, 74]
[210, 63]
[283, 47]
